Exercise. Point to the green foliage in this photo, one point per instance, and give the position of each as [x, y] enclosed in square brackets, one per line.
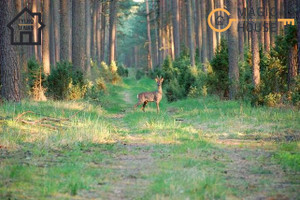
[36, 80]
[182, 80]
[174, 91]
[66, 83]
[114, 76]
[220, 68]
[122, 71]
[296, 92]
[139, 74]
[272, 99]
[110, 73]
[156, 72]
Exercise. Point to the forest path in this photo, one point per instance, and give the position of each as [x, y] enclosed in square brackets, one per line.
[132, 165]
[249, 170]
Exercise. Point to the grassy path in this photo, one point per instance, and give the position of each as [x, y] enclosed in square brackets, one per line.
[195, 149]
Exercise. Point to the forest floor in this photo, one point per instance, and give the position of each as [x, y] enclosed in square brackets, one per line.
[193, 149]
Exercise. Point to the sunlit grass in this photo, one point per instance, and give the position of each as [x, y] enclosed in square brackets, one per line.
[185, 140]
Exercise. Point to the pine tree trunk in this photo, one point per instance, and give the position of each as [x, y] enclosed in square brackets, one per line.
[298, 34]
[175, 17]
[56, 15]
[52, 36]
[149, 38]
[190, 32]
[272, 31]
[78, 36]
[103, 31]
[241, 32]
[292, 65]
[37, 48]
[88, 35]
[112, 31]
[261, 33]
[65, 30]
[9, 66]
[161, 35]
[204, 32]
[99, 40]
[267, 33]
[255, 55]
[46, 37]
[233, 52]
[94, 30]
[212, 34]
[198, 29]
[156, 48]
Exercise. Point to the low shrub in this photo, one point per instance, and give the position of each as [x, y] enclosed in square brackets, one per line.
[139, 74]
[122, 71]
[66, 83]
[36, 80]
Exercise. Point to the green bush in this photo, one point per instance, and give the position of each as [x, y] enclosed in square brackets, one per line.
[122, 71]
[182, 80]
[114, 76]
[36, 80]
[139, 74]
[220, 69]
[174, 91]
[156, 72]
[272, 99]
[110, 73]
[66, 83]
[105, 72]
[296, 92]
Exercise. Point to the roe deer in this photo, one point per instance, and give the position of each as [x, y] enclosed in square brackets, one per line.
[146, 97]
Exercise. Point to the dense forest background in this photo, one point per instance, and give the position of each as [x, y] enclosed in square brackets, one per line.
[96, 40]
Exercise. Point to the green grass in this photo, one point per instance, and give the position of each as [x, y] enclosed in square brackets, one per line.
[194, 148]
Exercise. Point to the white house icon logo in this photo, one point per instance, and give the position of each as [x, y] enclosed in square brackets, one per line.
[23, 29]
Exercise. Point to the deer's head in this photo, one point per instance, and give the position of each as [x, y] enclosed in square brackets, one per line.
[159, 81]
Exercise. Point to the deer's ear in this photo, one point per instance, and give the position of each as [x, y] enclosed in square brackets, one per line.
[162, 79]
[156, 79]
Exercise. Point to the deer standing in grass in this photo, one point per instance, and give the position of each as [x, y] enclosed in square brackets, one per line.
[156, 96]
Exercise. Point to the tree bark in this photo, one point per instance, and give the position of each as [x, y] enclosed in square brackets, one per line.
[149, 38]
[156, 48]
[56, 18]
[241, 32]
[103, 30]
[51, 34]
[198, 27]
[46, 37]
[37, 48]
[298, 33]
[112, 31]
[78, 36]
[94, 30]
[255, 55]
[175, 17]
[233, 52]
[88, 36]
[161, 35]
[65, 30]
[190, 32]
[267, 33]
[204, 33]
[212, 34]
[292, 65]
[9, 66]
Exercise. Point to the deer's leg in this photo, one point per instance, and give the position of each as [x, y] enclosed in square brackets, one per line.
[144, 105]
[139, 103]
[157, 107]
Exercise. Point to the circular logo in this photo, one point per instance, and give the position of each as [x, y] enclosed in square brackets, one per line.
[219, 20]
